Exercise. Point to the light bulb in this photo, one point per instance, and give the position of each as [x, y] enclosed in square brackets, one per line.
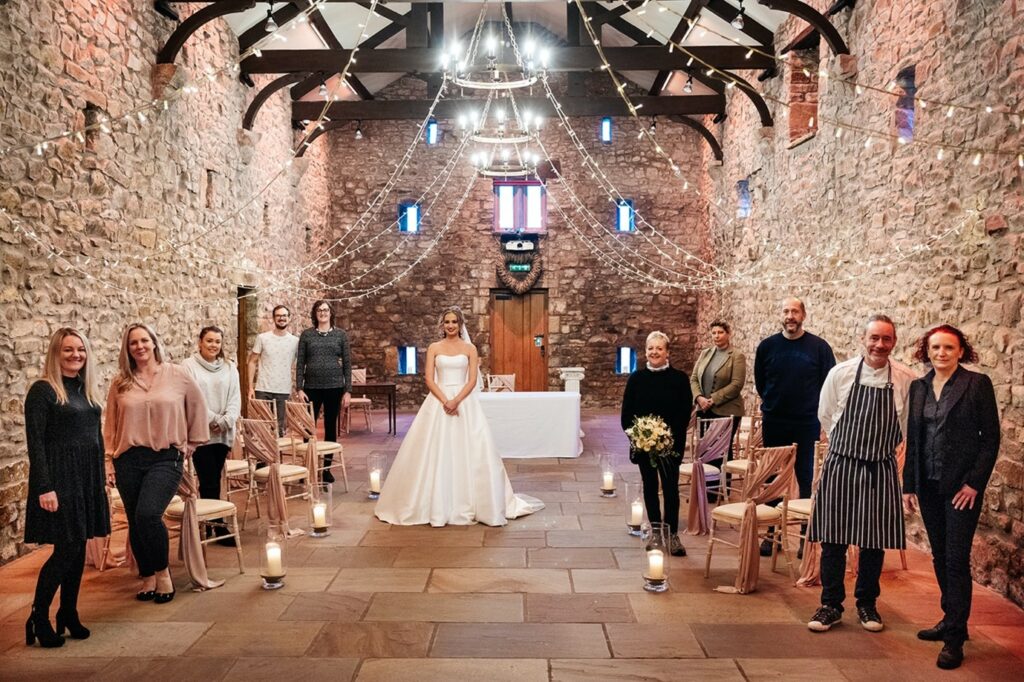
[359, 133]
[271, 24]
[688, 86]
[492, 47]
[323, 90]
[737, 22]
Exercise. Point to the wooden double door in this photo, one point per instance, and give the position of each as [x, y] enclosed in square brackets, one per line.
[519, 338]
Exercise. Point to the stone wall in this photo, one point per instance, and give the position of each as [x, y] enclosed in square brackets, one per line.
[833, 208]
[592, 308]
[110, 204]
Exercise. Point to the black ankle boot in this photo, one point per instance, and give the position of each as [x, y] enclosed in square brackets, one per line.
[69, 619]
[38, 627]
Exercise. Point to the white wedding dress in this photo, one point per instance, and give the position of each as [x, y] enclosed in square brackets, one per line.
[447, 470]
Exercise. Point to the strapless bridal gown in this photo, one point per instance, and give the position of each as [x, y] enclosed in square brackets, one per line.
[447, 470]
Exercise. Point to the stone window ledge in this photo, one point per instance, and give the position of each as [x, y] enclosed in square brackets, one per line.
[806, 137]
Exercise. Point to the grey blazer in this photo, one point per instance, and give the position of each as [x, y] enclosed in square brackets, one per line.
[728, 382]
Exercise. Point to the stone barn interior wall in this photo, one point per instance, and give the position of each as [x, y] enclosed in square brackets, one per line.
[593, 309]
[106, 205]
[831, 208]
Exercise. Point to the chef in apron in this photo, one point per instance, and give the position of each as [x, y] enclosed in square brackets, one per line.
[863, 410]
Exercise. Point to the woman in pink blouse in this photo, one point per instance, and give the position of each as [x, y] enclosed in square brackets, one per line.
[155, 417]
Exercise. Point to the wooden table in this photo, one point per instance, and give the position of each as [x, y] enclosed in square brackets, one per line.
[370, 390]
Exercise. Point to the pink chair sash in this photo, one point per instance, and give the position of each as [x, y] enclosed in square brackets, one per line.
[189, 541]
[776, 462]
[299, 420]
[262, 410]
[260, 442]
[713, 445]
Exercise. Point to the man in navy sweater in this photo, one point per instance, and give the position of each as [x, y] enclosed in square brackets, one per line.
[789, 370]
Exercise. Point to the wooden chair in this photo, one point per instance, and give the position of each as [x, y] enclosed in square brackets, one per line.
[736, 469]
[357, 403]
[302, 427]
[211, 514]
[711, 444]
[771, 476]
[799, 515]
[259, 439]
[267, 410]
[498, 383]
[118, 522]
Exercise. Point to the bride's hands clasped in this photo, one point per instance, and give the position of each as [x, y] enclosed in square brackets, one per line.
[451, 407]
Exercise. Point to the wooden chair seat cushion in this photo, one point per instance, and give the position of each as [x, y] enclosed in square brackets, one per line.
[205, 509]
[686, 469]
[737, 466]
[289, 472]
[323, 447]
[733, 513]
[117, 503]
[800, 507]
[359, 401]
[236, 467]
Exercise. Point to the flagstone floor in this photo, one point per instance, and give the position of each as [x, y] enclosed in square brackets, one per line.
[553, 596]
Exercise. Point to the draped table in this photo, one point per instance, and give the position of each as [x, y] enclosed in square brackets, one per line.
[534, 424]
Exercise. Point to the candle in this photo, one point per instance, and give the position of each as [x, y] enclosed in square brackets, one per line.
[636, 513]
[274, 567]
[656, 564]
[375, 481]
[609, 481]
[319, 515]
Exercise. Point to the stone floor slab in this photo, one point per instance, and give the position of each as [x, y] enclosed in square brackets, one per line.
[352, 557]
[448, 669]
[710, 607]
[380, 580]
[578, 608]
[246, 638]
[424, 537]
[519, 640]
[602, 538]
[262, 669]
[553, 557]
[662, 640]
[190, 668]
[499, 580]
[47, 670]
[775, 640]
[461, 557]
[644, 670]
[327, 606]
[789, 669]
[450, 608]
[111, 640]
[603, 580]
[372, 640]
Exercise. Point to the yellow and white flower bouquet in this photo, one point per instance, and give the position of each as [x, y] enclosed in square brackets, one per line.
[650, 436]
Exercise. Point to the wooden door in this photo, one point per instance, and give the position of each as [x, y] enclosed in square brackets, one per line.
[519, 338]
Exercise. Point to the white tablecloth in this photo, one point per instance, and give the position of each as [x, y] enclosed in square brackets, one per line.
[534, 424]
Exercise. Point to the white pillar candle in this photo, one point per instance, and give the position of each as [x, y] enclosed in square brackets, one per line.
[274, 567]
[609, 481]
[319, 515]
[636, 513]
[375, 481]
[656, 564]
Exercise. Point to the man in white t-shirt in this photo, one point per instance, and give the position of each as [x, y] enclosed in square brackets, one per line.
[273, 355]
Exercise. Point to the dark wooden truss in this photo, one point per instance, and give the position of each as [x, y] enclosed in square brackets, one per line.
[423, 24]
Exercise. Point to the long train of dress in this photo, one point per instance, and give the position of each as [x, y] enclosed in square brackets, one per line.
[448, 470]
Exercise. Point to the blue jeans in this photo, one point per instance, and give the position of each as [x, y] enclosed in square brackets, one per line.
[147, 480]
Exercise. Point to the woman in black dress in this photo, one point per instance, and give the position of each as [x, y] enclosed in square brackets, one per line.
[67, 503]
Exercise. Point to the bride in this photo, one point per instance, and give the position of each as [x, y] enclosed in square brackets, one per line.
[447, 470]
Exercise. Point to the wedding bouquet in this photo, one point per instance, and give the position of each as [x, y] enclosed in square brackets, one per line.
[650, 436]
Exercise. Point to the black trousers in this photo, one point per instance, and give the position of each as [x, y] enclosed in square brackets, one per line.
[833, 573]
[667, 472]
[709, 414]
[147, 480]
[64, 570]
[330, 400]
[209, 463]
[950, 533]
[782, 432]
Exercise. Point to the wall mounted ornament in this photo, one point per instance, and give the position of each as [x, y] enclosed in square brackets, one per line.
[520, 264]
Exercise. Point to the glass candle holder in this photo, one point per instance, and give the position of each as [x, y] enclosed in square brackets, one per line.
[320, 503]
[376, 468]
[655, 558]
[607, 476]
[634, 494]
[273, 556]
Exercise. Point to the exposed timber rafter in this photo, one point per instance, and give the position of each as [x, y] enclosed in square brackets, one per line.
[428, 60]
[812, 17]
[451, 108]
[169, 52]
[263, 95]
[680, 31]
[708, 136]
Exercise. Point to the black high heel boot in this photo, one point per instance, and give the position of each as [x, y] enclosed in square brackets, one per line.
[38, 627]
[69, 620]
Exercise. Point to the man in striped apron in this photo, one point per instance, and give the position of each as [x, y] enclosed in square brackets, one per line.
[863, 409]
